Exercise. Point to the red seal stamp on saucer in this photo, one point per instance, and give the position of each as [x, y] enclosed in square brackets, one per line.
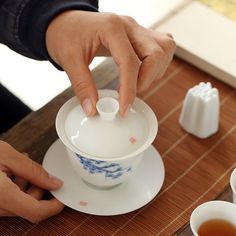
[83, 203]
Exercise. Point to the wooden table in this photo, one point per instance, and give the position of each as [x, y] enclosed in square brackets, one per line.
[197, 170]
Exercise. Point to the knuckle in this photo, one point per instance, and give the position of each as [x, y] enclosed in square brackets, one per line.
[158, 53]
[82, 86]
[37, 169]
[169, 35]
[112, 21]
[5, 149]
[172, 44]
[169, 45]
[4, 145]
[130, 19]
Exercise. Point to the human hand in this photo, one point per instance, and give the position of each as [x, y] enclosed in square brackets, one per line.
[18, 200]
[75, 37]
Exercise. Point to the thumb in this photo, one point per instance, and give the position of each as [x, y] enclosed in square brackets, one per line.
[84, 86]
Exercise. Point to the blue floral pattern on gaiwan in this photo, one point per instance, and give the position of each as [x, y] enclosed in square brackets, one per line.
[111, 170]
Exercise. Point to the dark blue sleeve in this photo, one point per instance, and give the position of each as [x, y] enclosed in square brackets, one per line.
[23, 23]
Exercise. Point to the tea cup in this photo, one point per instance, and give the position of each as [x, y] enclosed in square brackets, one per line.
[211, 210]
[233, 184]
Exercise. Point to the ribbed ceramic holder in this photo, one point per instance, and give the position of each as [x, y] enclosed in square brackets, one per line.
[200, 111]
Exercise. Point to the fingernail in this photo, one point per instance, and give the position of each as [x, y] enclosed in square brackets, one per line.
[57, 182]
[126, 111]
[87, 106]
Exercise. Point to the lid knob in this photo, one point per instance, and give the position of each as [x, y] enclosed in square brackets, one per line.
[107, 108]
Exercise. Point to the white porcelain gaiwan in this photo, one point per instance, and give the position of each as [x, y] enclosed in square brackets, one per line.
[106, 149]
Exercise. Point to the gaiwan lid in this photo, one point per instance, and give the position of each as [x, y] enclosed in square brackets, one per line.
[107, 135]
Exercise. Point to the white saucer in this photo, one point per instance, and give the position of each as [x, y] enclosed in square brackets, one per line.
[126, 197]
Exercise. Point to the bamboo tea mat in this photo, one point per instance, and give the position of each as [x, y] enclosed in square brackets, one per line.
[196, 170]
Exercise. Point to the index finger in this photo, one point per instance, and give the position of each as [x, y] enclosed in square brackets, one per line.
[128, 63]
[22, 166]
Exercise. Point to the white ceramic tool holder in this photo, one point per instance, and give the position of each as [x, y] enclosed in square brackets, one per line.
[200, 111]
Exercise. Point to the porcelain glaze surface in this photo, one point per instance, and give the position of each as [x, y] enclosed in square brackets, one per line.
[233, 184]
[212, 210]
[110, 170]
[103, 173]
[200, 111]
[137, 191]
[101, 139]
[105, 151]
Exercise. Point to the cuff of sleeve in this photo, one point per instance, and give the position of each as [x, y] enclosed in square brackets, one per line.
[40, 13]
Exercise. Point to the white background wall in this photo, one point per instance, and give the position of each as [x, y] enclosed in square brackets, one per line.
[36, 83]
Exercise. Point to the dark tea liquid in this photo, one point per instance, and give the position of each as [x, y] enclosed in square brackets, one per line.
[217, 227]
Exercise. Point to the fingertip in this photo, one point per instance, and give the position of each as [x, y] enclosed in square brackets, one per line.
[58, 206]
[55, 182]
[125, 103]
[84, 87]
[59, 203]
[87, 96]
[89, 106]
[126, 99]
[124, 111]
[93, 112]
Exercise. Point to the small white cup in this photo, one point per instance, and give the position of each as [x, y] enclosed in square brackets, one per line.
[212, 210]
[233, 184]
